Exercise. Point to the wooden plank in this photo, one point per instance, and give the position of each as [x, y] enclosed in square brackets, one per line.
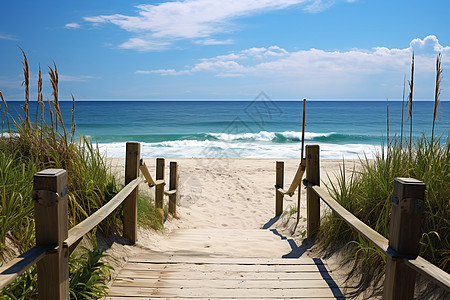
[312, 200]
[79, 230]
[220, 298]
[225, 231]
[219, 260]
[219, 275]
[430, 271]
[222, 284]
[215, 267]
[216, 292]
[20, 264]
[377, 239]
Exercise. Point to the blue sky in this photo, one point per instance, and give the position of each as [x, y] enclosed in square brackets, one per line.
[208, 49]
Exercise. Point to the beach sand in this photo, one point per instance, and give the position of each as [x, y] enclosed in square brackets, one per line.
[221, 193]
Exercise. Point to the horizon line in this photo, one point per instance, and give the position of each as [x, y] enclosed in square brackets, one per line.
[232, 100]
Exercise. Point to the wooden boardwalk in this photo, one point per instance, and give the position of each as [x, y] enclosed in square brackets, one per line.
[199, 270]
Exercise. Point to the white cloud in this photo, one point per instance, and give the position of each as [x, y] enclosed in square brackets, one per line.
[163, 72]
[76, 78]
[318, 6]
[429, 45]
[274, 60]
[8, 37]
[197, 20]
[213, 42]
[144, 44]
[72, 26]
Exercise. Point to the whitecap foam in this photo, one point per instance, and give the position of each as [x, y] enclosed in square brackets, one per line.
[260, 136]
[268, 136]
[295, 135]
[246, 149]
[7, 134]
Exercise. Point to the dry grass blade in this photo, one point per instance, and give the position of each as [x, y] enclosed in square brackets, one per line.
[3, 122]
[72, 131]
[411, 87]
[39, 98]
[51, 117]
[54, 78]
[6, 112]
[54, 82]
[26, 83]
[403, 109]
[410, 102]
[437, 91]
[387, 120]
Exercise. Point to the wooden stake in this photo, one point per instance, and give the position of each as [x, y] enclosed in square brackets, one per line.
[133, 153]
[173, 187]
[299, 197]
[312, 200]
[406, 217]
[279, 184]
[159, 189]
[50, 214]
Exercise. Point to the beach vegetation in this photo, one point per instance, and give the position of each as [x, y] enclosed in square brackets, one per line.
[28, 146]
[367, 192]
[148, 216]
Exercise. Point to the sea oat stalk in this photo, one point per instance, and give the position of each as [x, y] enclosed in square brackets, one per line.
[26, 83]
[437, 91]
[72, 131]
[410, 103]
[403, 109]
[6, 112]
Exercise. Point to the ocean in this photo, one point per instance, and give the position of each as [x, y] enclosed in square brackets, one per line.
[249, 129]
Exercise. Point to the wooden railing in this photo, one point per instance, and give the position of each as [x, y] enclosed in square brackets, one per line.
[401, 250]
[54, 242]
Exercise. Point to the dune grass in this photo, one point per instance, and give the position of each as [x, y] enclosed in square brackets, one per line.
[28, 146]
[367, 194]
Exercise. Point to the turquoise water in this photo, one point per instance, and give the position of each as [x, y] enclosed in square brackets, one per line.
[260, 128]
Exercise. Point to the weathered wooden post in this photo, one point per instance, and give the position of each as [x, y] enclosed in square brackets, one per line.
[279, 184]
[159, 189]
[50, 214]
[312, 200]
[133, 153]
[404, 236]
[173, 187]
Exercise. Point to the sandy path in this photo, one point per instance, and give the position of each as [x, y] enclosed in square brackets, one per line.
[235, 194]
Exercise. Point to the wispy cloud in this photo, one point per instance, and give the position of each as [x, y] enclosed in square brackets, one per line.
[163, 72]
[213, 42]
[318, 6]
[8, 37]
[277, 61]
[142, 44]
[75, 78]
[72, 25]
[197, 20]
